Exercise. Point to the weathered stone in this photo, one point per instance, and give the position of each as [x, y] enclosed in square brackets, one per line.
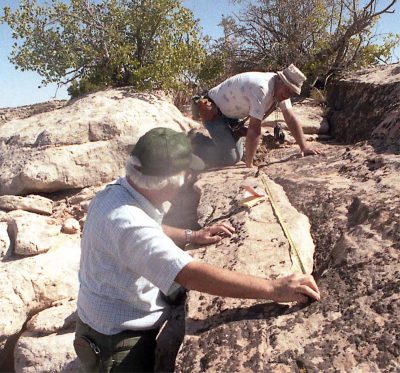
[49, 353]
[31, 203]
[7, 114]
[33, 234]
[258, 247]
[84, 195]
[56, 319]
[351, 197]
[4, 239]
[365, 106]
[32, 284]
[70, 226]
[53, 327]
[311, 117]
[82, 144]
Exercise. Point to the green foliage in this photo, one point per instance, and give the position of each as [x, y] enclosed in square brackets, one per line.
[148, 44]
[322, 37]
[212, 69]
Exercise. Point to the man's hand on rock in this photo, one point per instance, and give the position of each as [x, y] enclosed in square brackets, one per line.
[212, 234]
[295, 288]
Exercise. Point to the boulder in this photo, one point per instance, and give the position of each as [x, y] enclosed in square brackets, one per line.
[32, 284]
[82, 144]
[34, 234]
[47, 343]
[4, 239]
[365, 105]
[31, 203]
[51, 353]
[7, 114]
[70, 226]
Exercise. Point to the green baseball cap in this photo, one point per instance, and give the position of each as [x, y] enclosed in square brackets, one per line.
[165, 152]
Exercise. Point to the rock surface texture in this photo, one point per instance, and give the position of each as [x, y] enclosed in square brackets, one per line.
[354, 210]
[351, 195]
[47, 343]
[7, 114]
[342, 209]
[366, 106]
[225, 334]
[310, 114]
[84, 143]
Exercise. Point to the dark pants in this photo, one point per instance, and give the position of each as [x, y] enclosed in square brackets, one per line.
[128, 351]
[223, 149]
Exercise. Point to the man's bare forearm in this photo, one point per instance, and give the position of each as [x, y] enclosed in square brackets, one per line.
[205, 278]
[216, 281]
[295, 128]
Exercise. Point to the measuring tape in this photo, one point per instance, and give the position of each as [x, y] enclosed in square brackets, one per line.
[283, 225]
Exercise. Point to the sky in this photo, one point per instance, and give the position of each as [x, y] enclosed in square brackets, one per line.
[22, 88]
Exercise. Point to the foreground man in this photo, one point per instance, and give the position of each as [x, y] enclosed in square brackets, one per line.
[250, 94]
[130, 262]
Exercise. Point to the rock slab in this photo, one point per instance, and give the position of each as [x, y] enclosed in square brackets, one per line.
[366, 106]
[84, 143]
[223, 334]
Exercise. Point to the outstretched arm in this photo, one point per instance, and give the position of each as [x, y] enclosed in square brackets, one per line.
[297, 132]
[205, 278]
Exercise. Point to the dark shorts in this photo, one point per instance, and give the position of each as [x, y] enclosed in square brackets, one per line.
[128, 351]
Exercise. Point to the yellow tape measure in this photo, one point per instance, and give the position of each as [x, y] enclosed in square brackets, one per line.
[283, 225]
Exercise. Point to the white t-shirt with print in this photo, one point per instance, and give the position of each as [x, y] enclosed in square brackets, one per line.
[250, 93]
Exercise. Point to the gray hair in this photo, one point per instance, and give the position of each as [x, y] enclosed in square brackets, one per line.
[151, 182]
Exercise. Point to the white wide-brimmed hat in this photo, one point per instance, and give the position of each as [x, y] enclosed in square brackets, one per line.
[292, 77]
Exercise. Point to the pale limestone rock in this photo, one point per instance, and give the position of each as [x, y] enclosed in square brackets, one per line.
[34, 234]
[350, 196]
[7, 217]
[34, 283]
[7, 114]
[84, 195]
[53, 327]
[260, 248]
[70, 226]
[58, 318]
[53, 353]
[4, 239]
[365, 106]
[311, 118]
[82, 144]
[62, 167]
[31, 203]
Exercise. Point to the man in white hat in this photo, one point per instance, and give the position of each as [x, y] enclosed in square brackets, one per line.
[254, 95]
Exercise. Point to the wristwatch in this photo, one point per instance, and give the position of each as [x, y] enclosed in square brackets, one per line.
[188, 235]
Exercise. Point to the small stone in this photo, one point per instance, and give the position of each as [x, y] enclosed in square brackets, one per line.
[70, 226]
